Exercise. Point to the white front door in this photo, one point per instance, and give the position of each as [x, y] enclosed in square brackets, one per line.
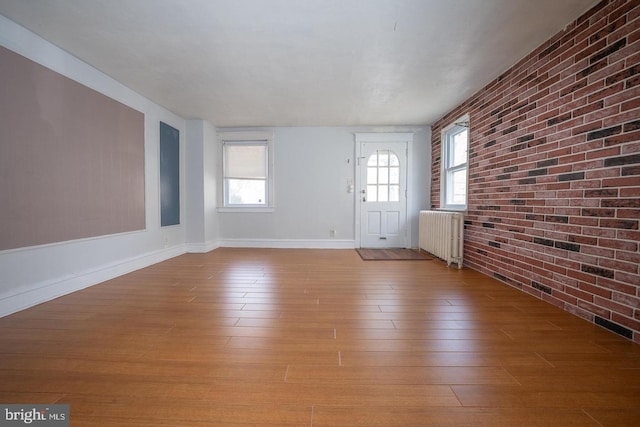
[382, 194]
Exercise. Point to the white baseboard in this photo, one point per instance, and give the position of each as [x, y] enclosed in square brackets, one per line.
[51, 289]
[202, 248]
[287, 243]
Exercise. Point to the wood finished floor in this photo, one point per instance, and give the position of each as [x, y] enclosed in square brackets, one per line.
[315, 338]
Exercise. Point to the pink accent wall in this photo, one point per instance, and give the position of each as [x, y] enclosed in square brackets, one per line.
[554, 165]
[71, 159]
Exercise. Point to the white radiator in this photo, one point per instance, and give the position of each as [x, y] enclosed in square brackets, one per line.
[442, 235]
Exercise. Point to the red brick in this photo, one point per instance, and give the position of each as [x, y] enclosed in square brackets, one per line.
[596, 91]
[592, 308]
[597, 251]
[602, 173]
[614, 68]
[603, 93]
[565, 297]
[620, 182]
[616, 286]
[629, 256]
[586, 184]
[596, 290]
[625, 321]
[631, 279]
[593, 222]
[622, 118]
[625, 224]
[560, 169]
[630, 105]
[631, 48]
[608, 152]
[615, 307]
[622, 138]
[594, 164]
[633, 148]
[629, 213]
[627, 300]
[587, 128]
[554, 301]
[583, 277]
[585, 296]
[583, 240]
[555, 268]
[577, 311]
[618, 244]
[603, 113]
[613, 264]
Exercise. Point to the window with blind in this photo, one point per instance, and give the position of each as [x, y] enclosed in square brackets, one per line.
[246, 166]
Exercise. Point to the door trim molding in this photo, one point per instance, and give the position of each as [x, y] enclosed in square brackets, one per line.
[390, 138]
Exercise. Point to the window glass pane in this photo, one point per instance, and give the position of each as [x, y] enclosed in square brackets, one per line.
[394, 193]
[245, 161]
[383, 158]
[383, 193]
[246, 191]
[458, 151]
[372, 175]
[458, 187]
[372, 193]
[394, 175]
[383, 175]
[455, 168]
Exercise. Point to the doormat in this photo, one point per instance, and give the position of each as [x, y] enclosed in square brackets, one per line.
[395, 254]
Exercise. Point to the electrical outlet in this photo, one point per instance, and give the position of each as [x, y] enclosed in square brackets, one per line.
[332, 233]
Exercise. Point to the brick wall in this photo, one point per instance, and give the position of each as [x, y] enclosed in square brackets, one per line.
[554, 170]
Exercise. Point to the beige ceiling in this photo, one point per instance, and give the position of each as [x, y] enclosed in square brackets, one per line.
[300, 62]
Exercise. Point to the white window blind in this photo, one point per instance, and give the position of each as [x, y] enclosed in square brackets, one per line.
[246, 160]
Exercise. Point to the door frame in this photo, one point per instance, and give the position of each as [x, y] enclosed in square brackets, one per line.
[388, 138]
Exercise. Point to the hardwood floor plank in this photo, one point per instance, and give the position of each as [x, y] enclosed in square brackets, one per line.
[508, 396]
[187, 412]
[13, 397]
[615, 417]
[448, 417]
[435, 358]
[306, 323]
[333, 394]
[398, 375]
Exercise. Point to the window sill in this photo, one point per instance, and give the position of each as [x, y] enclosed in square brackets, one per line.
[246, 210]
[452, 209]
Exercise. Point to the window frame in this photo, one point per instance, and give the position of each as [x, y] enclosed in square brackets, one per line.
[249, 139]
[446, 172]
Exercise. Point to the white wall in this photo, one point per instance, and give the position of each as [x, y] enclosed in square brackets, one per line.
[312, 168]
[202, 178]
[32, 275]
[210, 158]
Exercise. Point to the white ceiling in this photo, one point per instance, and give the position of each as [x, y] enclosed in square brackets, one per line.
[300, 62]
